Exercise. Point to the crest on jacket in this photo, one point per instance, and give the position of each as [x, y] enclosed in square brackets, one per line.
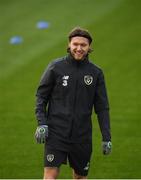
[50, 157]
[88, 79]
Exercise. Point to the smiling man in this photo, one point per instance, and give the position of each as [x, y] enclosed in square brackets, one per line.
[79, 47]
[69, 89]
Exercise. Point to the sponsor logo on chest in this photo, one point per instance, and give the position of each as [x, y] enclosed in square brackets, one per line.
[65, 80]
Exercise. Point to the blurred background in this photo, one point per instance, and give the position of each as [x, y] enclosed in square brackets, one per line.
[34, 32]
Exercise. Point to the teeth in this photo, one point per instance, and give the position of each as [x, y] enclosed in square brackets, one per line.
[79, 53]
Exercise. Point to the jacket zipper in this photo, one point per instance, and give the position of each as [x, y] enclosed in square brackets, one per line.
[75, 97]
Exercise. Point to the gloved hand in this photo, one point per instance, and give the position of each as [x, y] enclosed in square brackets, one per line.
[41, 133]
[106, 147]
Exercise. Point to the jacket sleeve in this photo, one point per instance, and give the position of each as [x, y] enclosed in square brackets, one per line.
[43, 94]
[101, 106]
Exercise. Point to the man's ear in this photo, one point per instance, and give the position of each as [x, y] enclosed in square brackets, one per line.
[69, 44]
[90, 50]
[68, 48]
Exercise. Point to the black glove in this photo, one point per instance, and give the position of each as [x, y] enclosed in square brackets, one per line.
[41, 133]
[106, 147]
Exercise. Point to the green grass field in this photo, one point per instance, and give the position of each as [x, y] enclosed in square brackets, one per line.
[116, 27]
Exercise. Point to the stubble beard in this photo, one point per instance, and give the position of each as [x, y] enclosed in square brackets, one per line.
[76, 57]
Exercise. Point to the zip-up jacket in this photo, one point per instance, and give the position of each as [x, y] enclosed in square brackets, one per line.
[67, 93]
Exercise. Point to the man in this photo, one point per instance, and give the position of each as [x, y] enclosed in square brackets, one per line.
[69, 89]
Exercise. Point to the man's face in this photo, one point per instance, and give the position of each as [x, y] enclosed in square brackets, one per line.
[79, 47]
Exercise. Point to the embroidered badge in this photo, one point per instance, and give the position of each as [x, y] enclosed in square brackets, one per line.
[50, 157]
[88, 79]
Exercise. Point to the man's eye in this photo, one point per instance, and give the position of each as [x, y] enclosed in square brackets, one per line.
[83, 45]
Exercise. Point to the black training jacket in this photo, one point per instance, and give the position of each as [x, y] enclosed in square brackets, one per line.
[66, 95]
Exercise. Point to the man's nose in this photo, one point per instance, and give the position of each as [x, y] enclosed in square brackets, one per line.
[79, 47]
